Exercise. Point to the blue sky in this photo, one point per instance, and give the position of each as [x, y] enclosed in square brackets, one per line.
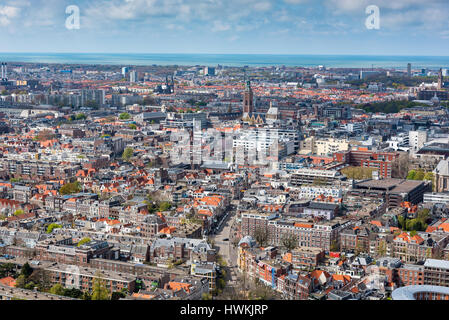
[407, 27]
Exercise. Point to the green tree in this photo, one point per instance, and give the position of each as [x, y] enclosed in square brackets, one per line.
[26, 270]
[125, 116]
[428, 176]
[165, 206]
[132, 126]
[127, 154]
[419, 175]
[53, 226]
[99, 290]
[118, 295]
[411, 175]
[19, 213]
[84, 241]
[21, 281]
[80, 116]
[206, 296]
[70, 188]
[57, 289]
[73, 293]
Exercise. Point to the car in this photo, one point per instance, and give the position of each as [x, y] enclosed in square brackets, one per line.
[226, 239]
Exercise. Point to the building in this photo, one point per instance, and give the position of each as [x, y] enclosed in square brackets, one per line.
[248, 100]
[417, 139]
[308, 234]
[424, 292]
[205, 270]
[436, 197]
[321, 209]
[330, 146]
[82, 278]
[436, 272]
[441, 176]
[393, 191]
[311, 176]
[305, 257]
[381, 161]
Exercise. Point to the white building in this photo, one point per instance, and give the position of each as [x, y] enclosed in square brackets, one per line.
[417, 139]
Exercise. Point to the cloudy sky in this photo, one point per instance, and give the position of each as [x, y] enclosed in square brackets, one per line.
[407, 27]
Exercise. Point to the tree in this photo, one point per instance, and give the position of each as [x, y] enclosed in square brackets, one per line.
[334, 247]
[70, 188]
[92, 104]
[382, 248]
[261, 236]
[26, 270]
[400, 166]
[53, 226]
[99, 290]
[45, 135]
[57, 289]
[19, 213]
[127, 154]
[73, 293]
[358, 173]
[80, 116]
[206, 296]
[428, 176]
[411, 175]
[290, 242]
[125, 116]
[165, 206]
[132, 126]
[419, 175]
[7, 270]
[118, 295]
[21, 281]
[84, 241]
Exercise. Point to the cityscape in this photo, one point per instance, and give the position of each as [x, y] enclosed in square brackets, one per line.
[223, 177]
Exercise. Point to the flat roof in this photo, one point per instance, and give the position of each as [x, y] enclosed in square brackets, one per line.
[434, 263]
[393, 185]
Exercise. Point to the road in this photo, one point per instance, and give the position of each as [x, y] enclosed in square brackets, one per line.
[225, 248]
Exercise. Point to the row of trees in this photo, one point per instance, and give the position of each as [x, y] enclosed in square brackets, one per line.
[288, 241]
[30, 279]
[387, 106]
[358, 173]
[420, 175]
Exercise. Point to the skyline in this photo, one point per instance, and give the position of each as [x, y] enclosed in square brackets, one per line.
[300, 27]
[229, 60]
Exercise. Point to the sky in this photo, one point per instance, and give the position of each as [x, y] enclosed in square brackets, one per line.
[328, 27]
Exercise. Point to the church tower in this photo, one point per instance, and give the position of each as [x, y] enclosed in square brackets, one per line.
[248, 99]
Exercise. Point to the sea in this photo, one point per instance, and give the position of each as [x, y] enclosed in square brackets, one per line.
[232, 60]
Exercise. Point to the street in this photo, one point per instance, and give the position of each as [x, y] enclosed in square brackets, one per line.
[226, 249]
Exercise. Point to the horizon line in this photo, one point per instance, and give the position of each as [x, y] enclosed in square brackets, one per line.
[252, 54]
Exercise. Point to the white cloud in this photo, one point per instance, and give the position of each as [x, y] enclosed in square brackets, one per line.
[220, 26]
[7, 13]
